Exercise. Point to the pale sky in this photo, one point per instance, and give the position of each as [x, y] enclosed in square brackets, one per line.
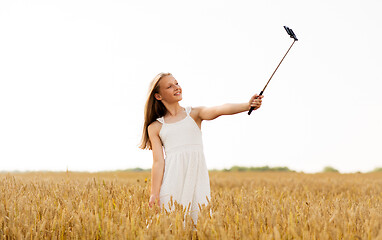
[74, 77]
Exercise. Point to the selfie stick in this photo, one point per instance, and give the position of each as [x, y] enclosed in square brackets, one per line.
[292, 35]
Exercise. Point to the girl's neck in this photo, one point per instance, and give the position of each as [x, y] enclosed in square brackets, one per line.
[173, 109]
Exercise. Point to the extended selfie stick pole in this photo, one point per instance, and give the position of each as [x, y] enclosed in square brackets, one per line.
[292, 35]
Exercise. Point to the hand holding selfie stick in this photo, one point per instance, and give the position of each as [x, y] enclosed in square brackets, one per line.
[292, 35]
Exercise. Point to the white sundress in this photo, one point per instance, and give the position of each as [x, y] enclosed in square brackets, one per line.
[185, 175]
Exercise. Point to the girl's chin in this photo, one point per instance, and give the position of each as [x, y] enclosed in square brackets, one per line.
[175, 98]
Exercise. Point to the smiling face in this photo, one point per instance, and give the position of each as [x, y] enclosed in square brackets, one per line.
[169, 90]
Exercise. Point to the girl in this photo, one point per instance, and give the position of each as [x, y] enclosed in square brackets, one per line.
[182, 172]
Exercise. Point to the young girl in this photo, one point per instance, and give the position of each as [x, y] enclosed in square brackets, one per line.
[182, 172]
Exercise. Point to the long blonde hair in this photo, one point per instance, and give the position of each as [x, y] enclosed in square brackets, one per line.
[153, 110]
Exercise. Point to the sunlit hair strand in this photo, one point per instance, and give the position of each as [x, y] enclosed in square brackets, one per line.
[153, 110]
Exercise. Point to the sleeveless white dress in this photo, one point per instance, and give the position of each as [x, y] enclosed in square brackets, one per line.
[185, 175]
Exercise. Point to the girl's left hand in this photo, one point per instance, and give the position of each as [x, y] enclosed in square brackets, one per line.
[255, 101]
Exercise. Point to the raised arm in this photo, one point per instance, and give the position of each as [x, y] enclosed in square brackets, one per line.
[157, 169]
[210, 113]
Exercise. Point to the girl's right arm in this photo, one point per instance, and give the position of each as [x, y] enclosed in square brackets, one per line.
[158, 162]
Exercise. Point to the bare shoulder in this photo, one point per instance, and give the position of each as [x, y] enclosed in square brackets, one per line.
[196, 110]
[195, 113]
[154, 128]
[207, 113]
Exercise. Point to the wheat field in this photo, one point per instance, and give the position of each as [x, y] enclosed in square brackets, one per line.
[244, 205]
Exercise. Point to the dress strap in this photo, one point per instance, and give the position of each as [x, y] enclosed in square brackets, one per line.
[161, 120]
[188, 110]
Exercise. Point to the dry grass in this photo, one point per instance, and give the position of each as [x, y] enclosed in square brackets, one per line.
[244, 206]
